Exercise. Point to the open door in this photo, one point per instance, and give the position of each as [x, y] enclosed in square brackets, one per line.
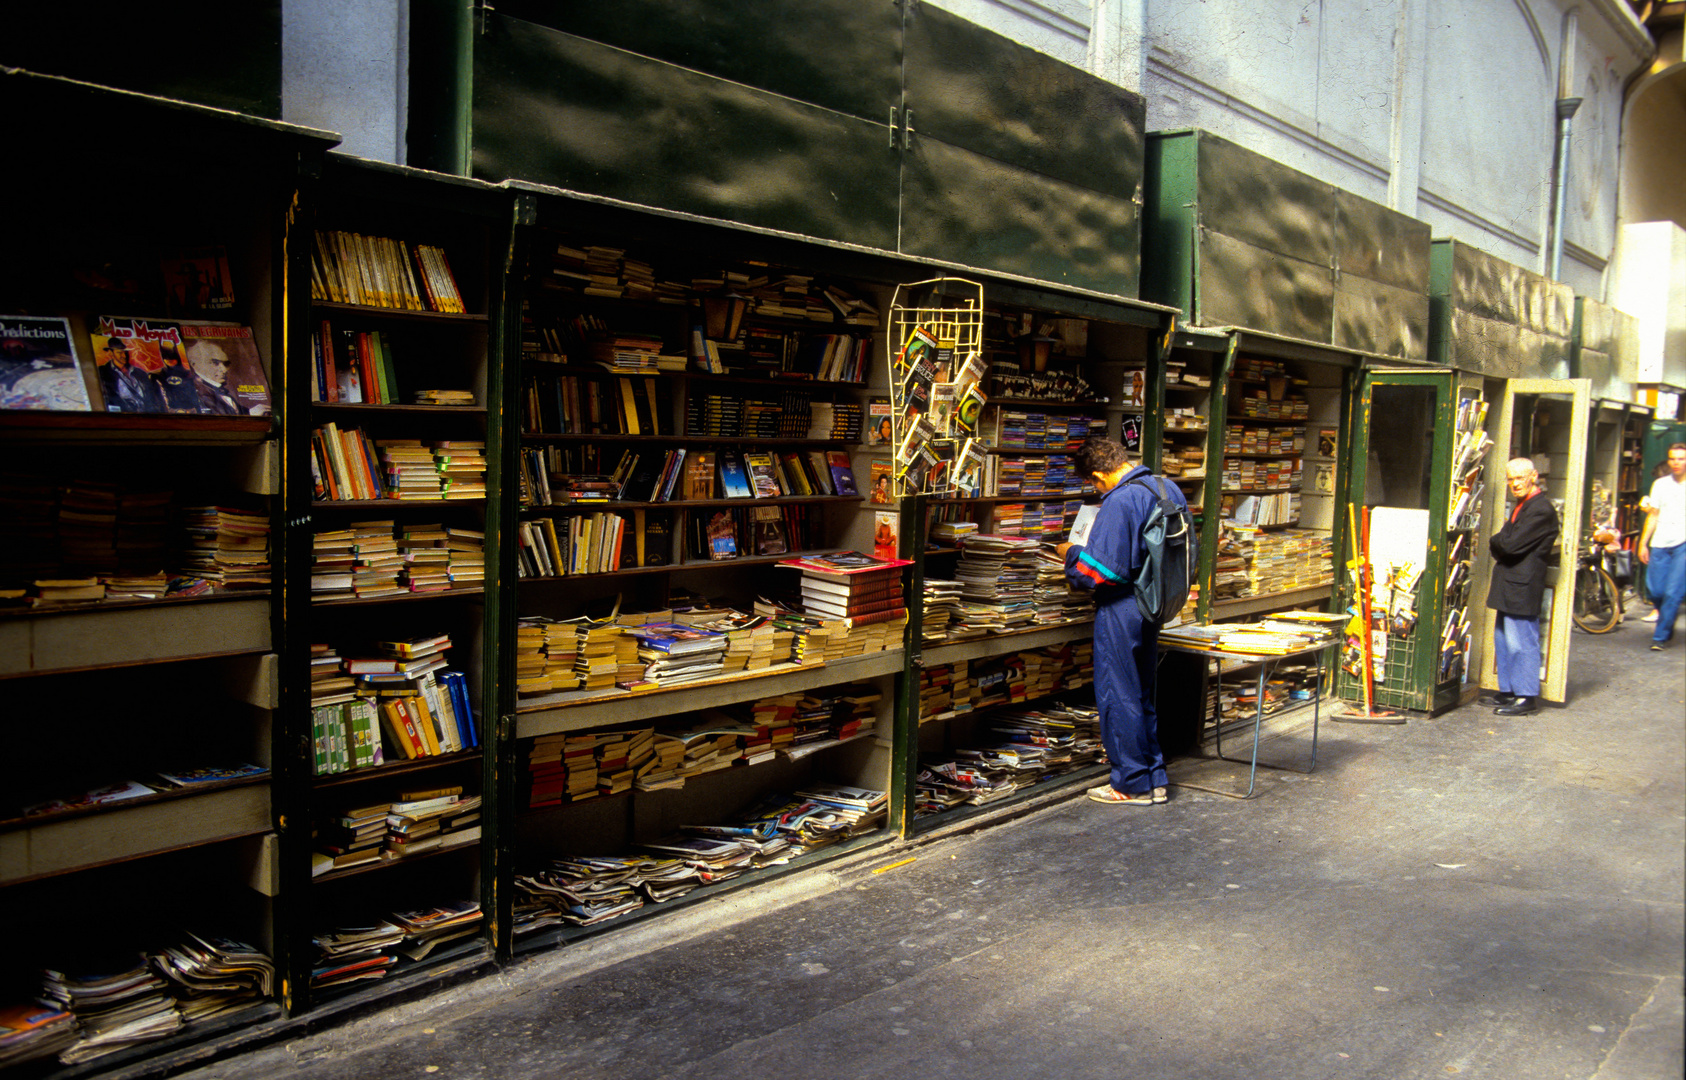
[1545, 420]
[1418, 460]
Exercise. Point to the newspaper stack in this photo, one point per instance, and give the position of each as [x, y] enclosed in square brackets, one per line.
[212, 975]
[34, 1031]
[998, 575]
[112, 1011]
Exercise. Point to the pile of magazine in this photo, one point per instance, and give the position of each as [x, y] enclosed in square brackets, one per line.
[998, 576]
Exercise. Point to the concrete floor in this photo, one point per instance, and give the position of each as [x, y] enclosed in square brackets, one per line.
[1468, 895]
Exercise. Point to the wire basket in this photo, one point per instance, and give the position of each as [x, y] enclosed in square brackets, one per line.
[934, 354]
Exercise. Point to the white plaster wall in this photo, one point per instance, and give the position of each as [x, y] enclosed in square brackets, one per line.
[1648, 281]
[1443, 109]
[345, 67]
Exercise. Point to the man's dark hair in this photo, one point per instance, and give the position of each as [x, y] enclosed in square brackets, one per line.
[1676, 446]
[1098, 455]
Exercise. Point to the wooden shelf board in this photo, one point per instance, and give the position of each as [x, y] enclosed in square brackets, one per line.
[697, 564]
[469, 318]
[615, 504]
[1251, 605]
[138, 428]
[406, 598]
[386, 864]
[393, 504]
[402, 767]
[42, 640]
[372, 407]
[577, 710]
[1031, 637]
[171, 822]
[711, 440]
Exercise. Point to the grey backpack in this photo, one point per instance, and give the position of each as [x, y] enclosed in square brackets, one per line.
[1168, 538]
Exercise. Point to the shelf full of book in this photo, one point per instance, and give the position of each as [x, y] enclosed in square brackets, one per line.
[691, 398]
[393, 457]
[137, 574]
[1277, 529]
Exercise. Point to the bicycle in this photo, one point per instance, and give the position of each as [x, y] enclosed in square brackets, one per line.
[1598, 602]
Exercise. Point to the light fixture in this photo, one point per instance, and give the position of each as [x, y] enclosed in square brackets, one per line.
[723, 314]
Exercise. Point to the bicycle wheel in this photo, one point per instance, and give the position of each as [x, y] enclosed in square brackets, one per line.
[1597, 604]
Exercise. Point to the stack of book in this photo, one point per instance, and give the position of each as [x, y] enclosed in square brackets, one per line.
[582, 891]
[596, 660]
[466, 557]
[672, 653]
[667, 757]
[227, 547]
[942, 604]
[29, 547]
[407, 469]
[113, 1011]
[1279, 561]
[560, 768]
[424, 821]
[850, 587]
[353, 837]
[461, 468]
[427, 561]
[87, 528]
[1056, 600]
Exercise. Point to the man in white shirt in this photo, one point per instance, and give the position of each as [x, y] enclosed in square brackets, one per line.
[1662, 545]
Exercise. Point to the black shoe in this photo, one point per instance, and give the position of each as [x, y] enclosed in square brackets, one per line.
[1522, 706]
[1500, 698]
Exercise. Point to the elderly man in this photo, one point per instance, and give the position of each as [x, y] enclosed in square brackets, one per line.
[1520, 549]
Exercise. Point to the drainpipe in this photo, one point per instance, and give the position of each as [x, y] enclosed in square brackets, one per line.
[1566, 106]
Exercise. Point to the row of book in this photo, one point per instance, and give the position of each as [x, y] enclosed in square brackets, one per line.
[686, 474]
[416, 822]
[586, 890]
[561, 403]
[133, 543]
[1258, 405]
[1269, 562]
[401, 690]
[348, 465]
[598, 654]
[357, 367]
[1011, 428]
[569, 767]
[371, 559]
[1023, 748]
[377, 271]
[1251, 511]
[371, 949]
[965, 686]
[1241, 439]
[1042, 474]
[1275, 474]
[82, 1017]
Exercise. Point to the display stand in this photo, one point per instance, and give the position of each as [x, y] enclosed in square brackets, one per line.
[935, 368]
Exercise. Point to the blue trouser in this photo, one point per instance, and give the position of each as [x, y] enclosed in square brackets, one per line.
[1516, 654]
[1126, 660]
[1665, 580]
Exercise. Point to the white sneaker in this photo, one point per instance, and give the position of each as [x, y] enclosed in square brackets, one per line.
[1651, 617]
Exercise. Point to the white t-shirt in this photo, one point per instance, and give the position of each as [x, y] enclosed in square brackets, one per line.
[1668, 495]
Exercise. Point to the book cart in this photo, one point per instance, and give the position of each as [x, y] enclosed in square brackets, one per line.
[174, 670]
[1002, 713]
[390, 455]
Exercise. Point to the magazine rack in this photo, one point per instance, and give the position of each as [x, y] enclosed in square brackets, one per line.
[935, 359]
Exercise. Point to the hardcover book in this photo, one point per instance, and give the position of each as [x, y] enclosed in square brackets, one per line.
[842, 472]
[734, 479]
[39, 368]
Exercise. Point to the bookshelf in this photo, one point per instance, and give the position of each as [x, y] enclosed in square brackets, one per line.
[170, 651]
[390, 458]
[665, 463]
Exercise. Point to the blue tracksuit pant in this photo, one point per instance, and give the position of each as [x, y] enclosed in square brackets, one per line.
[1126, 662]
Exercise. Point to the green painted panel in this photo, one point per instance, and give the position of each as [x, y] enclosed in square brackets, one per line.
[970, 87]
[1264, 203]
[557, 109]
[1168, 206]
[962, 207]
[838, 54]
[1248, 286]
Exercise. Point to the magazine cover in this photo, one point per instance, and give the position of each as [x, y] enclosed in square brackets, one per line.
[224, 358]
[880, 430]
[886, 528]
[38, 365]
[136, 360]
[197, 282]
[880, 492]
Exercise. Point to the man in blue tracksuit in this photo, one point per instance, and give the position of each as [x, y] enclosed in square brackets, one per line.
[1126, 645]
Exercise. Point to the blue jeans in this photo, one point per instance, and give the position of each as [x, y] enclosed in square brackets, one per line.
[1665, 580]
[1516, 655]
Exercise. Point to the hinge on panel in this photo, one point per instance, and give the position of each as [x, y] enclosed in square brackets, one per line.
[907, 129]
[895, 122]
